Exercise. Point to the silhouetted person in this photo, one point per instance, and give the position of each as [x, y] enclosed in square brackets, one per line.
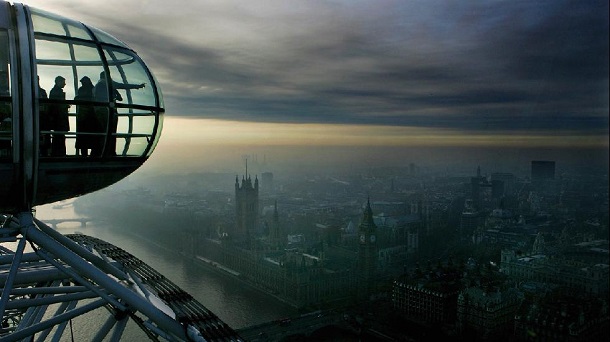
[101, 95]
[58, 113]
[44, 122]
[86, 120]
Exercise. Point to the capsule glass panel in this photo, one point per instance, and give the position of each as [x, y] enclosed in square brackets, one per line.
[45, 22]
[128, 70]
[106, 38]
[74, 62]
[8, 174]
[6, 112]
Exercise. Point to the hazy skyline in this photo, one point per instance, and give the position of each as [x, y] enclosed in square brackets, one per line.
[474, 74]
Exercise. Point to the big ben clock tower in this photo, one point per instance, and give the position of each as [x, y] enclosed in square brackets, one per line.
[367, 254]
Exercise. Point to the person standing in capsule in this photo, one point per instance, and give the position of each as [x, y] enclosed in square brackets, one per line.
[86, 121]
[58, 115]
[101, 93]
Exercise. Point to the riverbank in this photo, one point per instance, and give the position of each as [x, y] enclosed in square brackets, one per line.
[169, 234]
[215, 267]
[212, 265]
[157, 243]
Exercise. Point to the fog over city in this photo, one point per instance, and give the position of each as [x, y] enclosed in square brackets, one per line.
[207, 154]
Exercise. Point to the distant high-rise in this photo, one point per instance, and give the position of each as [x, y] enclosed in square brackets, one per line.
[503, 184]
[267, 181]
[469, 220]
[542, 170]
[246, 207]
[413, 169]
[479, 186]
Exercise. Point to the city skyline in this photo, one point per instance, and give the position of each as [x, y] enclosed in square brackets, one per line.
[344, 147]
[428, 75]
[326, 209]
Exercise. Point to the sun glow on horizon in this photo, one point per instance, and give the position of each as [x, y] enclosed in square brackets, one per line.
[213, 132]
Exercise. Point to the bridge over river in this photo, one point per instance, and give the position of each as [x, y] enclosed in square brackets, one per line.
[55, 222]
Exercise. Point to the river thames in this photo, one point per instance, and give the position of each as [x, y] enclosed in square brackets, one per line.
[236, 303]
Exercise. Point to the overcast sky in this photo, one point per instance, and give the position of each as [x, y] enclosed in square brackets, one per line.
[468, 65]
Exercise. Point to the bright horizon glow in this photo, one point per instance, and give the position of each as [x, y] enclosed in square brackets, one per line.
[213, 132]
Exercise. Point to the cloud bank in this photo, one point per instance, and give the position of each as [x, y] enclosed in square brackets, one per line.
[471, 66]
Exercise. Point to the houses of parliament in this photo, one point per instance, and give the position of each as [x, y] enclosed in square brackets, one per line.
[262, 253]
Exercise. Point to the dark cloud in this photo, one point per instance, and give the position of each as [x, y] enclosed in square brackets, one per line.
[474, 65]
[570, 45]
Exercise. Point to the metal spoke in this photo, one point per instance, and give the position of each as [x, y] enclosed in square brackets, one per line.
[68, 276]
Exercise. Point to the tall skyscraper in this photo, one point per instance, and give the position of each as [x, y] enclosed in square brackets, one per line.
[469, 220]
[543, 170]
[508, 183]
[267, 182]
[543, 176]
[479, 186]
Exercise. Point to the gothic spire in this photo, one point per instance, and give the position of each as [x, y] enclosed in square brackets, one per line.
[367, 217]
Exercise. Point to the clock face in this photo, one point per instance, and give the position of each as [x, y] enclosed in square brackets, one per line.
[362, 238]
[372, 238]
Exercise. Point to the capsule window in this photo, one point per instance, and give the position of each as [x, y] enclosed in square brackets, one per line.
[47, 23]
[135, 122]
[6, 112]
[106, 38]
[128, 70]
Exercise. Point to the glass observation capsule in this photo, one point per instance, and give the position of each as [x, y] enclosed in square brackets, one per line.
[79, 110]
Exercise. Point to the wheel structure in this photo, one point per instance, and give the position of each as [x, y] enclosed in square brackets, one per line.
[50, 280]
